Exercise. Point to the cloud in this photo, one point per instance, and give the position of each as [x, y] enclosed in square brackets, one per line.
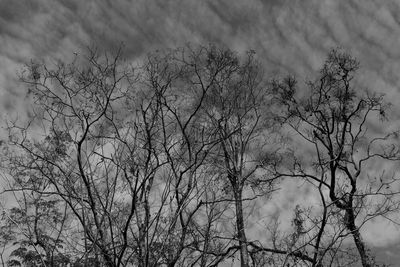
[381, 233]
[289, 35]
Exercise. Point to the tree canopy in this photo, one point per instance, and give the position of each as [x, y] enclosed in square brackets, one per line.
[170, 163]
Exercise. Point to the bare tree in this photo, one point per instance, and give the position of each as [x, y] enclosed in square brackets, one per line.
[186, 144]
[126, 153]
[237, 107]
[106, 148]
[332, 119]
[147, 166]
[187, 79]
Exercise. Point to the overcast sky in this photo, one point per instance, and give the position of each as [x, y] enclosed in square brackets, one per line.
[289, 37]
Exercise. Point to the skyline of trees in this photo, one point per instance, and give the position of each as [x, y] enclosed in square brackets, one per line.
[160, 164]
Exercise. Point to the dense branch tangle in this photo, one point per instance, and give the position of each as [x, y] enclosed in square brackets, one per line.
[130, 154]
[154, 165]
[117, 154]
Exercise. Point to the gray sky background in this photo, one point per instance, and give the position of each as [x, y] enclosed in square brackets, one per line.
[289, 36]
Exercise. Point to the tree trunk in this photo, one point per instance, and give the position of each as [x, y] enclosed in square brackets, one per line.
[244, 254]
[357, 238]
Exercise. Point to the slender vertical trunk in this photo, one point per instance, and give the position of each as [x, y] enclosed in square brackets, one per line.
[2, 259]
[244, 254]
[204, 257]
[142, 245]
[317, 259]
[357, 238]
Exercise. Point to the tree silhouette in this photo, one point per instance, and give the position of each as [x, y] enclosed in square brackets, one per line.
[157, 164]
[332, 118]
